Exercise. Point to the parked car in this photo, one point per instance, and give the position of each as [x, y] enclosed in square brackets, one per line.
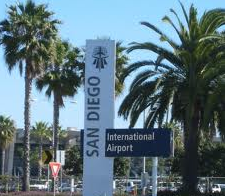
[168, 186]
[222, 186]
[64, 187]
[79, 188]
[201, 188]
[216, 188]
[39, 186]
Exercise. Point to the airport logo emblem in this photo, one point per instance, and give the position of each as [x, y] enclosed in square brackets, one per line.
[100, 55]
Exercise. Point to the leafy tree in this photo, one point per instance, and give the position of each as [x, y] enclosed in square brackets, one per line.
[62, 79]
[175, 163]
[40, 132]
[74, 161]
[182, 76]
[35, 162]
[121, 166]
[211, 159]
[26, 35]
[7, 131]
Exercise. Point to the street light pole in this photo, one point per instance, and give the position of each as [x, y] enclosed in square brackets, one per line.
[144, 161]
[154, 175]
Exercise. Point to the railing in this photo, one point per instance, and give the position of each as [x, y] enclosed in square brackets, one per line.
[120, 186]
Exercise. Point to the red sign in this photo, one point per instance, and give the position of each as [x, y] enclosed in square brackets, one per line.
[55, 167]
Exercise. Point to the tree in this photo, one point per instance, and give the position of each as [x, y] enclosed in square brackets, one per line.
[7, 131]
[26, 35]
[177, 134]
[40, 132]
[211, 159]
[74, 161]
[121, 62]
[121, 167]
[62, 78]
[182, 76]
[62, 135]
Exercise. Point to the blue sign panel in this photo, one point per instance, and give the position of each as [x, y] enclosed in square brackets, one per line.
[138, 142]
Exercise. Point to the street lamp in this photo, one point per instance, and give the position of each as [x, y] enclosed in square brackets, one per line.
[144, 165]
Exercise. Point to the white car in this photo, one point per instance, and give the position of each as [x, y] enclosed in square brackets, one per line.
[79, 188]
[216, 188]
[40, 185]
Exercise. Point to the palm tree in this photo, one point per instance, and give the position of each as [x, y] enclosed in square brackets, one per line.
[215, 106]
[181, 76]
[25, 36]
[121, 62]
[7, 131]
[62, 79]
[40, 132]
[62, 134]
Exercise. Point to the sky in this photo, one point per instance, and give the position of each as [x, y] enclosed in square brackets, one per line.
[90, 19]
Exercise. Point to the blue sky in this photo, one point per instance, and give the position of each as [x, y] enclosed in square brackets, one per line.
[90, 19]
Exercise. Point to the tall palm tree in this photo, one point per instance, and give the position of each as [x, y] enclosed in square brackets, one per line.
[25, 36]
[121, 63]
[62, 79]
[40, 132]
[181, 76]
[7, 131]
[215, 106]
[62, 134]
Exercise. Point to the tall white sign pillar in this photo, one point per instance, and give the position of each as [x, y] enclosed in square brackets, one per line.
[99, 115]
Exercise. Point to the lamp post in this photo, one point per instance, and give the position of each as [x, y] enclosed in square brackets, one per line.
[154, 175]
[143, 179]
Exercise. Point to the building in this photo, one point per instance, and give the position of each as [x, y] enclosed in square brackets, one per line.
[14, 152]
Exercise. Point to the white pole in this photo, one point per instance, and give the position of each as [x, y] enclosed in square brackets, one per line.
[48, 178]
[61, 178]
[154, 175]
[143, 174]
[54, 185]
[144, 165]
[72, 186]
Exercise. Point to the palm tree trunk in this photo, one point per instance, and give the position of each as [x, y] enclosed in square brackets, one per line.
[55, 124]
[40, 159]
[26, 167]
[3, 161]
[191, 140]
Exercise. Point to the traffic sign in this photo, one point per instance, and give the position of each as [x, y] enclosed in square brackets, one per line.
[138, 142]
[46, 156]
[55, 167]
[60, 157]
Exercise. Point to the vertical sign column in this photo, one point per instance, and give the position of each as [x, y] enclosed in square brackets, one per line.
[99, 115]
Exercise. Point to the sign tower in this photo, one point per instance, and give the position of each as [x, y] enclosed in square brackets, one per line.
[99, 116]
